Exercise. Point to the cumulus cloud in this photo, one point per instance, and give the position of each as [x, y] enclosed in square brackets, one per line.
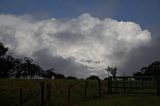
[80, 46]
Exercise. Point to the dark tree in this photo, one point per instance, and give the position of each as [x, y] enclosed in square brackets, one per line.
[112, 71]
[29, 69]
[6, 67]
[151, 70]
[48, 73]
[59, 76]
[6, 62]
[17, 71]
[21, 68]
[93, 77]
[3, 50]
[72, 78]
[138, 74]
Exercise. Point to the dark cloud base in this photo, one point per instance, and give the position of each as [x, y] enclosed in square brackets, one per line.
[66, 66]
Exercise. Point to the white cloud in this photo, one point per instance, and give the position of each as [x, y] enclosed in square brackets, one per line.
[92, 42]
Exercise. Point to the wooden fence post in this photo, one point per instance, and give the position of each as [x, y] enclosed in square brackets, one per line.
[85, 89]
[124, 85]
[48, 90]
[20, 97]
[136, 84]
[117, 85]
[69, 92]
[158, 85]
[130, 83]
[99, 88]
[42, 94]
[110, 86]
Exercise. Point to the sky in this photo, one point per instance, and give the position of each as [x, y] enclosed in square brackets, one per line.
[82, 37]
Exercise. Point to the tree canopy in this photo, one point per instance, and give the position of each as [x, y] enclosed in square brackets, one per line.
[151, 70]
[22, 68]
[112, 71]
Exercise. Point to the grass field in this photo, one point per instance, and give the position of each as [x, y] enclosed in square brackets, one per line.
[9, 94]
[9, 91]
[124, 101]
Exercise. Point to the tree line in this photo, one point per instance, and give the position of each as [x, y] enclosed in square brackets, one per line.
[152, 69]
[11, 67]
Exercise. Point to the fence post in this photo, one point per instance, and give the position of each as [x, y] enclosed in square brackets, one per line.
[110, 86]
[116, 85]
[20, 97]
[69, 92]
[124, 85]
[42, 94]
[48, 89]
[130, 83]
[85, 89]
[99, 88]
[158, 85]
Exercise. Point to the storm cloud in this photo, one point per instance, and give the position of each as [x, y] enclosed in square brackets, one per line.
[79, 47]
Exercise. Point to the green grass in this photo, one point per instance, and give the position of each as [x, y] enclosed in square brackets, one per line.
[9, 91]
[124, 101]
[9, 94]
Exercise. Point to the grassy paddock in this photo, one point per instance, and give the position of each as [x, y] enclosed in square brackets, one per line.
[124, 101]
[9, 94]
[9, 91]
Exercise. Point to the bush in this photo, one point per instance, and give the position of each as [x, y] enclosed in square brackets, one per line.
[93, 77]
[73, 78]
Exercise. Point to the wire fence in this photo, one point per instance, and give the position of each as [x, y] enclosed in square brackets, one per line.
[68, 92]
[144, 85]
